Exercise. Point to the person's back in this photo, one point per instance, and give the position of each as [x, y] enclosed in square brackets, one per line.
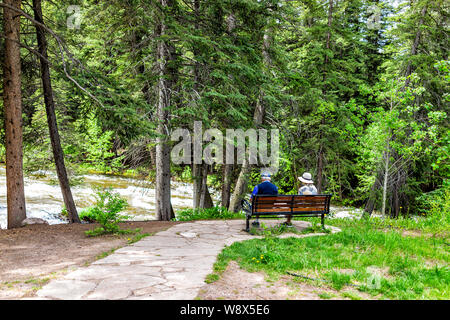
[264, 188]
[307, 190]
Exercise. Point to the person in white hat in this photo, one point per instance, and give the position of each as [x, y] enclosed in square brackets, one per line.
[306, 189]
[308, 184]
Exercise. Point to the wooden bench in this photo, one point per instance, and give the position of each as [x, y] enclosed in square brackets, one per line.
[270, 206]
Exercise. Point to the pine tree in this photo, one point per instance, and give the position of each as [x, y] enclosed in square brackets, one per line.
[12, 101]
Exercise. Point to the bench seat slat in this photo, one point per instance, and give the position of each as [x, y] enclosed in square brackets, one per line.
[308, 209]
[273, 210]
[309, 200]
[276, 205]
[308, 203]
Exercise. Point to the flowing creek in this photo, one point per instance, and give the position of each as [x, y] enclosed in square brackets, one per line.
[44, 199]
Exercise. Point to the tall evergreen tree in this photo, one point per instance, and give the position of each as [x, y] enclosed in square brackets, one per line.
[12, 102]
[58, 153]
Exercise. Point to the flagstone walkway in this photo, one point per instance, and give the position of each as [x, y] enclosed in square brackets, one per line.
[172, 264]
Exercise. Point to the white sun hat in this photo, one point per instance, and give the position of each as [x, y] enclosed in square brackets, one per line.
[306, 178]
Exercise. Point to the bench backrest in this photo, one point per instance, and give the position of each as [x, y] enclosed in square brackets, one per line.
[291, 204]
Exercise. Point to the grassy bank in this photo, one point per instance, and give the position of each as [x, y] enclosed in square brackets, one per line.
[379, 259]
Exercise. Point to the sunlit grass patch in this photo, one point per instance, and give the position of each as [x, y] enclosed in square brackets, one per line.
[377, 262]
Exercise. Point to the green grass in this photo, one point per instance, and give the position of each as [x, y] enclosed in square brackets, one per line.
[138, 237]
[380, 262]
[279, 229]
[436, 226]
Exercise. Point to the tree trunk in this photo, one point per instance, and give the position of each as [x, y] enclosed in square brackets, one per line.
[205, 196]
[320, 158]
[202, 197]
[241, 186]
[370, 204]
[258, 119]
[165, 51]
[197, 184]
[415, 45]
[385, 182]
[395, 206]
[58, 153]
[330, 21]
[227, 170]
[197, 168]
[12, 97]
[320, 168]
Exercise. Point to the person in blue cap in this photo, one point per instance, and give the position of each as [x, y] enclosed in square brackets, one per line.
[265, 187]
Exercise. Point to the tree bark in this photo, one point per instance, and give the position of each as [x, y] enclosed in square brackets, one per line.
[241, 186]
[58, 153]
[12, 97]
[385, 181]
[227, 170]
[320, 168]
[320, 158]
[330, 21]
[205, 196]
[202, 197]
[415, 45]
[165, 52]
[370, 204]
[197, 184]
[258, 119]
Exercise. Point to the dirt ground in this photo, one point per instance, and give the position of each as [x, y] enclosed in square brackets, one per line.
[33, 255]
[238, 284]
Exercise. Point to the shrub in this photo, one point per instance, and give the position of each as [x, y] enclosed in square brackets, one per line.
[435, 200]
[105, 212]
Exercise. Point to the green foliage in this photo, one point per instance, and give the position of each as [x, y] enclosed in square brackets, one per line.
[330, 82]
[105, 212]
[97, 146]
[338, 279]
[434, 201]
[207, 214]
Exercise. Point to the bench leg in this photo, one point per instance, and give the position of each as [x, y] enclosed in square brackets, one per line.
[323, 221]
[247, 224]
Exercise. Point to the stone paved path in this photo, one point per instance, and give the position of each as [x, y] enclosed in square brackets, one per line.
[172, 264]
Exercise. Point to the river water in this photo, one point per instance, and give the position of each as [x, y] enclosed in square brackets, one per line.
[44, 199]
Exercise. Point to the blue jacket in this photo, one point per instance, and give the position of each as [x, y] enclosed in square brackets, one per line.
[265, 188]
